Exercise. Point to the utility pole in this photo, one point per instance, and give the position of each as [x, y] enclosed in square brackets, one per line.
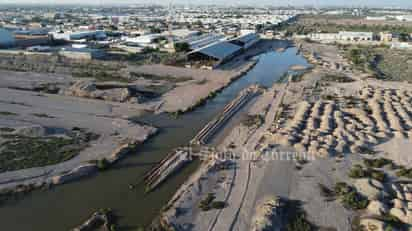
[170, 27]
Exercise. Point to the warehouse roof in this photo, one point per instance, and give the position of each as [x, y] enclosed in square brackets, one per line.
[218, 50]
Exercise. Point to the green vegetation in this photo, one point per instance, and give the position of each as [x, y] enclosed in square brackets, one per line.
[296, 218]
[100, 76]
[158, 77]
[7, 113]
[366, 150]
[299, 223]
[376, 163]
[392, 222]
[103, 164]
[208, 203]
[20, 152]
[182, 47]
[404, 172]
[358, 171]
[307, 24]
[349, 197]
[340, 78]
[43, 115]
[6, 129]
[253, 120]
[363, 57]
[381, 61]
[341, 188]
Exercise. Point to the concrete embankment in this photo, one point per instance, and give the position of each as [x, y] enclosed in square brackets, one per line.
[173, 162]
[177, 159]
[211, 128]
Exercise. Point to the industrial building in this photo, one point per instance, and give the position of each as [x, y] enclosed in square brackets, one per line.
[349, 36]
[79, 35]
[355, 36]
[246, 41]
[196, 42]
[149, 40]
[214, 54]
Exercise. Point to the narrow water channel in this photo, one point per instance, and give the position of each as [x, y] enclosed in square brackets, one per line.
[66, 206]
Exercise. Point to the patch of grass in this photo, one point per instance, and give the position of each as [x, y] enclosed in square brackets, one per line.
[366, 150]
[359, 172]
[354, 200]
[253, 120]
[103, 164]
[21, 152]
[8, 113]
[376, 163]
[101, 76]
[392, 222]
[168, 78]
[208, 203]
[205, 203]
[337, 78]
[296, 218]
[218, 205]
[43, 115]
[404, 172]
[6, 129]
[349, 197]
[341, 188]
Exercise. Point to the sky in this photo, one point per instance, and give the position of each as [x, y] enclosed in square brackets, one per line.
[370, 3]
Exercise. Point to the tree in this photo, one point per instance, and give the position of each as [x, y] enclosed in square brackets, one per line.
[403, 37]
[182, 47]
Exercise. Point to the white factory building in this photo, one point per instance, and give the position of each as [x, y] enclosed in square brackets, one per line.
[349, 36]
[79, 35]
[6, 38]
[355, 36]
[143, 41]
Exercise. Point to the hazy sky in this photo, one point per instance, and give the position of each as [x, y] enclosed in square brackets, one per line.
[393, 3]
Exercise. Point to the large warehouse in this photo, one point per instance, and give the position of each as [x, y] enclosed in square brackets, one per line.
[215, 54]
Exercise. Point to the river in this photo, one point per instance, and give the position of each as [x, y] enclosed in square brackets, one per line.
[63, 207]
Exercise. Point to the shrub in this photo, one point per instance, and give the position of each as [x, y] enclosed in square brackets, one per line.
[7, 113]
[205, 204]
[6, 129]
[103, 164]
[253, 120]
[358, 172]
[341, 188]
[325, 191]
[404, 172]
[354, 200]
[377, 175]
[299, 223]
[376, 163]
[218, 204]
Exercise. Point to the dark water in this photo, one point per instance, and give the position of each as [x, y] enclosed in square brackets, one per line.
[66, 206]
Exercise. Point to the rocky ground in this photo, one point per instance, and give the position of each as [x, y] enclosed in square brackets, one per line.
[333, 142]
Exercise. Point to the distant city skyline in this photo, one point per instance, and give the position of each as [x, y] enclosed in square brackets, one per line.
[368, 3]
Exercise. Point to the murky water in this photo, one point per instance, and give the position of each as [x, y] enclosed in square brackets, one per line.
[68, 205]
